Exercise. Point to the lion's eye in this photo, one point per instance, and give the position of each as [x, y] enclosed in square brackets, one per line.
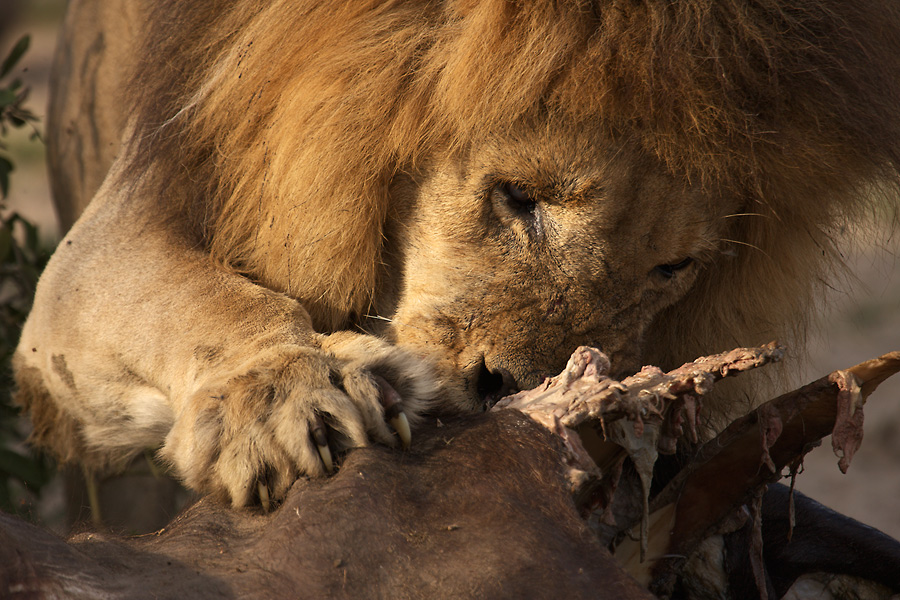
[518, 211]
[668, 271]
[516, 199]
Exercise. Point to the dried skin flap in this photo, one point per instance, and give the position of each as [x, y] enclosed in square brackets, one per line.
[647, 413]
[846, 437]
[733, 469]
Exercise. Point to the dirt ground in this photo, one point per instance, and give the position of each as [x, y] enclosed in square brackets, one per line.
[863, 316]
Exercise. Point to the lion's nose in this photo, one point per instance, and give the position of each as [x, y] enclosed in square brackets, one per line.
[494, 384]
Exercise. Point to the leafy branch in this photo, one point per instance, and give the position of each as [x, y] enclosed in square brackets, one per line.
[22, 258]
[13, 112]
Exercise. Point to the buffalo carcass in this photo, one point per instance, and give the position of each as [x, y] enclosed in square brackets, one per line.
[479, 508]
[502, 505]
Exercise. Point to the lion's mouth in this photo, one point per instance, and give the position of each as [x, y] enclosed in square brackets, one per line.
[493, 384]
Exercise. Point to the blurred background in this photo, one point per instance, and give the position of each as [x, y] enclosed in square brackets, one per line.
[862, 315]
[30, 191]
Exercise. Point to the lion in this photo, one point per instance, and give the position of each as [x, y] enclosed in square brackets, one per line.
[320, 218]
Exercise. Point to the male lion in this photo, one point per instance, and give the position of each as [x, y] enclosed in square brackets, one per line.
[324, 212]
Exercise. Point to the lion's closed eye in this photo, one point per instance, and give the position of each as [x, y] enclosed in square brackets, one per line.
[668, 271]
[516, 199]
[518, 209]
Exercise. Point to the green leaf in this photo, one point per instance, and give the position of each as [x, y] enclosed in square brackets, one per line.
[27, 470]
[32, 238]
[5, 242]
[6, 168]
[8, 97]
[14, 56]
[6, 503]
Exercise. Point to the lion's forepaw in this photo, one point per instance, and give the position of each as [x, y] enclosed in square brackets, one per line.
[290, 411]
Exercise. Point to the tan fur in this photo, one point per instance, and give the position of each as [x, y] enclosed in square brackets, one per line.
[53, 428]
[326, 166]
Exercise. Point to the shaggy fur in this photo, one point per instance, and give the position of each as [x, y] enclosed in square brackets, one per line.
[298, 168]
[792, 107]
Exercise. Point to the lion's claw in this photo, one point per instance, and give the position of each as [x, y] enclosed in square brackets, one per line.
[325, 455]
[317, 431]
[263, 490]
[401, 425]
[250, 434]
[393, 411]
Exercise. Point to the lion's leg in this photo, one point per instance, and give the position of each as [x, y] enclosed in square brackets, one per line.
[137, 340]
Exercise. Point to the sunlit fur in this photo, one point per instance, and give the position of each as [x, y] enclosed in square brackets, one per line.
[283, 109]
[307, 145]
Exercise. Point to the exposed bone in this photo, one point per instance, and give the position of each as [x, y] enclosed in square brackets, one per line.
[584, 392]
[640, 416]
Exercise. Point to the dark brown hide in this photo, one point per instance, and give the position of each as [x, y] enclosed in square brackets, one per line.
[820, 540]
[479, 509]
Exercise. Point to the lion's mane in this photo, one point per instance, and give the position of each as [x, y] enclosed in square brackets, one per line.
[275, 127]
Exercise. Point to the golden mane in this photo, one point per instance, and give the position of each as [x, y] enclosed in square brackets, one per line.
[282, 123]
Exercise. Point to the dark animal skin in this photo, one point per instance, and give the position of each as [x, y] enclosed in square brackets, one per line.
[479, 509]
[822, 541]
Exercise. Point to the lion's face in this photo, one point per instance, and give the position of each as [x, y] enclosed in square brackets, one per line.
[510, 257]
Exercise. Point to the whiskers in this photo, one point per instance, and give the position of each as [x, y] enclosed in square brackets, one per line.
[743, 243]
[747, 214]
[378, 318]
[748, 245]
